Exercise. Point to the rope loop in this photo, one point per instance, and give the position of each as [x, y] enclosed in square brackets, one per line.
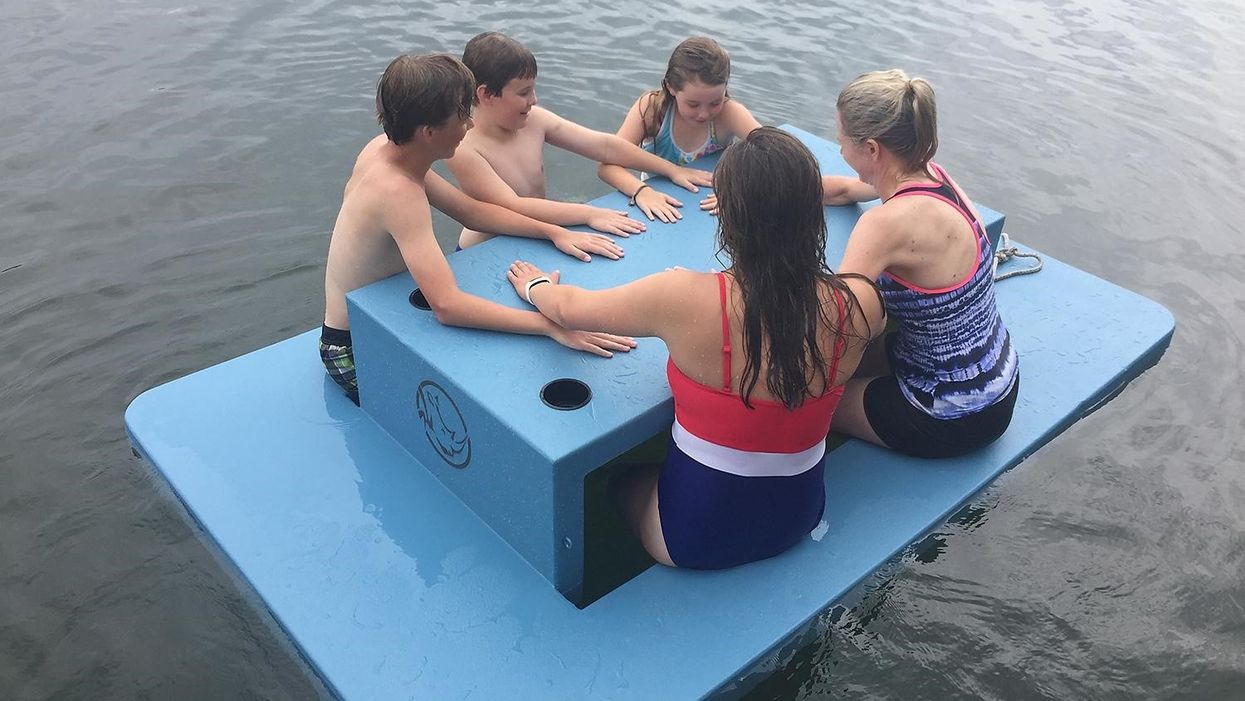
[1007, 252]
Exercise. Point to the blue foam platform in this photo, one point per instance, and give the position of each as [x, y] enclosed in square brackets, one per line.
[394, 588]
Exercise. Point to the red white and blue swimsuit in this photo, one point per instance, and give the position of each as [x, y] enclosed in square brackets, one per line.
[742, 484]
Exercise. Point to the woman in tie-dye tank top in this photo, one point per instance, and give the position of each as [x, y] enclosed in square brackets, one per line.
[945, 382]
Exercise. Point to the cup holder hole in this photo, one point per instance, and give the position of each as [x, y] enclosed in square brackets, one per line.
[419, 301]
[565, 394]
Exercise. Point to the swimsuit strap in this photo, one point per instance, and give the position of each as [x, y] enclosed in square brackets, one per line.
[839, 343]
[726, 335]
[952, 197]
[943, 176]
[667, 124]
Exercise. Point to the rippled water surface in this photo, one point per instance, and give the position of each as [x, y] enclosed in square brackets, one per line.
[168, 176]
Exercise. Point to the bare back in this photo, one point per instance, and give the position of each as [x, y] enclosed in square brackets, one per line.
[361, 250]
[933, 246]
[697, 347]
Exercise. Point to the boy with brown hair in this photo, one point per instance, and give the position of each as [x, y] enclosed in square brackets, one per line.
[385, 222]
[502, 160]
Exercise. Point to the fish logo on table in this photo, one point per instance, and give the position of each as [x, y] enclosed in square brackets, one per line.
[443, 424]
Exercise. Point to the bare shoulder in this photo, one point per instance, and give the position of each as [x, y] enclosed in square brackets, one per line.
[872, 245]
[646, 103]
[389, 191]
[372, 147]
[677, 300]
[697, 291]
[369, 176]
[671, 290]
[682, 279]
[685, 278]
[880, 221]
[543, 120]
[397, 185]
[734, 108]
[471, 163]
[645, 109]
[868, 309]
[368, 157]
[902, 216]
[672, 283]
[737, 119]
[563, 133]
[377, 172]
[468, 149]
[381, 200]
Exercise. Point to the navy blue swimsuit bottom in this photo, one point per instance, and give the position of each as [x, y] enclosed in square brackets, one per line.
[713, 520]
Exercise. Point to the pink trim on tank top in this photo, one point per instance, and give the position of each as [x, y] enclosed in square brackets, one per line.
[973, 225]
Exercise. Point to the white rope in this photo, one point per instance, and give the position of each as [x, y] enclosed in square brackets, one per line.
[1005, 253]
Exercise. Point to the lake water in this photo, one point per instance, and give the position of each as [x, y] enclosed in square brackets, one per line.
[169, 175]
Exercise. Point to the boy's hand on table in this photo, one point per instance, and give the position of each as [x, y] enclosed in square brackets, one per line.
[690, 178]
[659, 205]
[579, 245]
[611, 221]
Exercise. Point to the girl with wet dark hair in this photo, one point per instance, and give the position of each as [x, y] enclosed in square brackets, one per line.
[758, 357]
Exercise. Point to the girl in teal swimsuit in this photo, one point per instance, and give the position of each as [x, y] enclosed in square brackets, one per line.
[690, 116]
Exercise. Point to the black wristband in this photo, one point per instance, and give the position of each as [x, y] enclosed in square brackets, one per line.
[637, 192]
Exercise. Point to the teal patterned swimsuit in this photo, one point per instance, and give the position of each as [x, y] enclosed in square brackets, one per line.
[663, 144]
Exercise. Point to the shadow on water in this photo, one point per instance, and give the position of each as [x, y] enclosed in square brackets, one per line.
[850, 624]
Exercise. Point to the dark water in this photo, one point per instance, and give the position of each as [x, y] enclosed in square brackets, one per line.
[168, 176]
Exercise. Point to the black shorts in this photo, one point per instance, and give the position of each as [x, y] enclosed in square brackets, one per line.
[907, 429]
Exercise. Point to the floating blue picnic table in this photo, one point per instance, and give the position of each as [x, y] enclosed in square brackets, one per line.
[431, 543]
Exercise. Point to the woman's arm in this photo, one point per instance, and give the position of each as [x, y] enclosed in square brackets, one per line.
[842, 189]
[868, 250]
[644, 306]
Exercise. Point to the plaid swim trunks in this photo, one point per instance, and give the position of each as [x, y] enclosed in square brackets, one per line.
[338, 355]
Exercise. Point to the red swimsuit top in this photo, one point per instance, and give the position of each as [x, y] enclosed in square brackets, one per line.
[719, 415]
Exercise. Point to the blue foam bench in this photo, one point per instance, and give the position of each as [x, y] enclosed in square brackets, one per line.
[393, 587]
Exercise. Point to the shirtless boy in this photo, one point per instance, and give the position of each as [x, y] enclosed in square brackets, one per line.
[385, 224]
[501, 160]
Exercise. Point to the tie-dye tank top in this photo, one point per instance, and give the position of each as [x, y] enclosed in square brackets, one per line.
[952, 355]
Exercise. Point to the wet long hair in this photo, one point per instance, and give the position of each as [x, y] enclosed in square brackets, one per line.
[772, 225]
[698, 58]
